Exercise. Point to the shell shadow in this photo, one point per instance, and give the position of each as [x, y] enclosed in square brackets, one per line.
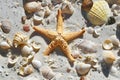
[118, 32]
[3, 52]
[105, 68]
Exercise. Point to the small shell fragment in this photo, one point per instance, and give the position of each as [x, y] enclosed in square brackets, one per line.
[12, 60]
[82, 68]
[32, 7]
[4, 45]
[47, 72]
[37, 64]
[109, 57]
[20, 39]
[23, 19]
[6, 26]
[36, 46]
[24, 61]
[115, 40]
[107, 44]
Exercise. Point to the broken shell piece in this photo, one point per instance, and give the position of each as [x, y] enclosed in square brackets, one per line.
[76, 54]
[31, 7]
[90, 30]
[107, 44]
[96, 33]
[4, 45]
[6, 26]
[82, 68]
[115, 40]
[26, 50]
[87, 46]
[30, 57]
[23, 71]
[47, 11]
[12, 60]
[19, 39]
[37, 64]
[47, 72]
[24, 61]
[38, 17]
[36, 46]
[67, 7]
[109, 57]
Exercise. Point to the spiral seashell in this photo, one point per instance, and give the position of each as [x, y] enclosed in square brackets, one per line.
[37, 64]
[4, 45]
[47, 72]
[87, 46]
[12, 60]
[26, 50]
[99, 13]
[109, 57]
[32, 7]
[19, 39]
[23, 71]
[82, 68]
[107, 44]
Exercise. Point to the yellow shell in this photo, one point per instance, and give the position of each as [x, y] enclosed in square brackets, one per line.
[20, 39]
[99, 13]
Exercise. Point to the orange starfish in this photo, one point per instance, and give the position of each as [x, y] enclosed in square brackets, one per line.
[59, 38]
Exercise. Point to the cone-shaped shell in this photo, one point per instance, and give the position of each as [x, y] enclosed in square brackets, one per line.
[99, 13]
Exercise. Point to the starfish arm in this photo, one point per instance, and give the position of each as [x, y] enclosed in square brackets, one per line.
[47, 33]
[73, 35]
[66, 50]
[59, 22]
[50, 48]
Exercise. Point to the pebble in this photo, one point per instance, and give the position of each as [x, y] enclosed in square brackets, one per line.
[6, 26]
[26, 28]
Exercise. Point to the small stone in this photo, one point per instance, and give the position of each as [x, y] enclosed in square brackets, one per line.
[6, 26]
[26, 28]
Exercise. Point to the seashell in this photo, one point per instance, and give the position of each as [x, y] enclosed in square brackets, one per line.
[67, 8]
[12, 60]
[115, 40]
[47, 11]
[87, 46]
[32, 7]
[107, 44]
[82, 68]
[47, 72]
[76, 54]
[4, 45]
[86, 5]
[24, 61]
[6, 26]
[26, 50]
[36, 46]
[109, 57]
[90, 30]
[23, 19]
[113, 2]
[23, 71]
[115, 9]
[96, 33]
[30, 57]
[36, 64]
[99, 12]
[38, 17]
[26, 28]
[20, 39]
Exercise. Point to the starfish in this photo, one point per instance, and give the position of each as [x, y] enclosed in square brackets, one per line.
[59, 38]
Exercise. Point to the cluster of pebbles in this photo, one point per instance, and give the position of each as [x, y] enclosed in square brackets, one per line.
[100, 13]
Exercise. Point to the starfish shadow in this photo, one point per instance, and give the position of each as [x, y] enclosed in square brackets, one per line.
[105, 68]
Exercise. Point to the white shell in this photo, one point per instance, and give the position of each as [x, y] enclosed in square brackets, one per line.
[20, 39]
[107, 44]
[109, 57]
[76, 53]
[37, 64]
[31, 7]
[90, 30]
[87, 46]
[36, 46]
[99, 13]
[67, 7]
[38, 16]
[82, 68]
[115, 40]
[26, 50]
[12, 59]
[47, 72]
[4, 45]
